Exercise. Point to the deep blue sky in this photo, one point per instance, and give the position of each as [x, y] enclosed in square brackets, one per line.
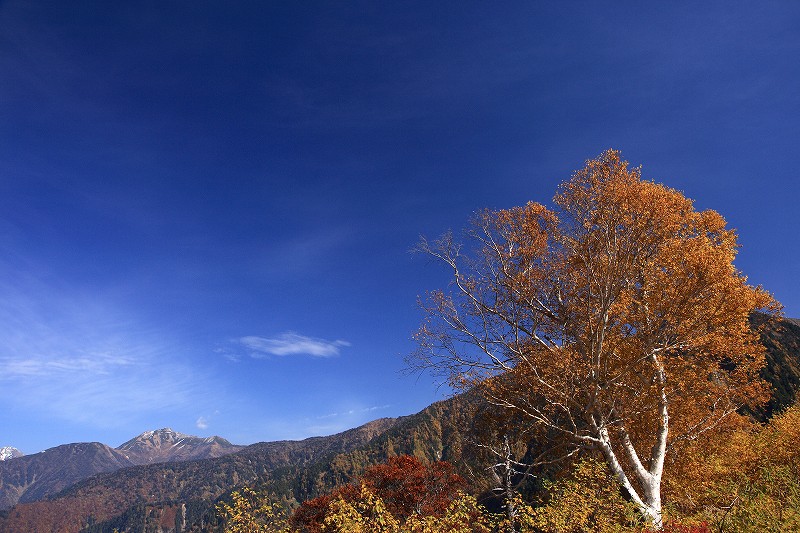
[206, 207]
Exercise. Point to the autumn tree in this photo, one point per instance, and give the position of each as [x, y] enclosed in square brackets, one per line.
[749, 482]
[615, 321]
[400, 488]
[409, 486]
[252, 512]
[585, 501]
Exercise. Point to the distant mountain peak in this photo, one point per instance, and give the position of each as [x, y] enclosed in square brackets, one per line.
[166, 445]
[37, 476]
[9, 452]
[163, 434]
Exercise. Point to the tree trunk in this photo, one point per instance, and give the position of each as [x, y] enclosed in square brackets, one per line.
[508, 486]
[649, 501]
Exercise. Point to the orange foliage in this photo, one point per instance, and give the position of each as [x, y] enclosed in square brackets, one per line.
[404, 484]
[616, 320]
[675, 527]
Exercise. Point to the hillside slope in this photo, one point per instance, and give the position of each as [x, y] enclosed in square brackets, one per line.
[33, 477]
[782, 370]
[108, 495]
[439, 432]
[180, 496]
[38, 476]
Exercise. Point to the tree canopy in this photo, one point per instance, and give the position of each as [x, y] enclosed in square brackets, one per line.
[401, 487]
[615, 320]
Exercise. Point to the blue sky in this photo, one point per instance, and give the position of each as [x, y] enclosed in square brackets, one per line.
[206, 208]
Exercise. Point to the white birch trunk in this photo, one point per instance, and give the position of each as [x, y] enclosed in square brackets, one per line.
[648, 498]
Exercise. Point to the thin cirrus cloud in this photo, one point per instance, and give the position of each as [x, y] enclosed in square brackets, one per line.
[341, 420]
[81, 358]
[291, 343]
[352, 412]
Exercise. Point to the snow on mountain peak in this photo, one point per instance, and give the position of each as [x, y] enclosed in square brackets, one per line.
[162, 434]
[9, 452]
[165, 444]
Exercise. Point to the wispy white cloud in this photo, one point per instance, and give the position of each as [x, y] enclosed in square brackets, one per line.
[291, 343]
[340, 420]
[296, 255]
[79, 356]
[39, 366]
[351, 412]
[202, 423]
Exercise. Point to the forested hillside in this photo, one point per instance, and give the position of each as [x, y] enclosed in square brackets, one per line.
[41, 475]
[292, 471]
[782, 369]
[106, 496]
[34, 477]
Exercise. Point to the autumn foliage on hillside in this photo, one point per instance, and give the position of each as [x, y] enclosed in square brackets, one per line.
[405, 486]
[747, 482]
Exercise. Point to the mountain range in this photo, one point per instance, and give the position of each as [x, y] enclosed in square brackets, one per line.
[30, 478]
[154, 483]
